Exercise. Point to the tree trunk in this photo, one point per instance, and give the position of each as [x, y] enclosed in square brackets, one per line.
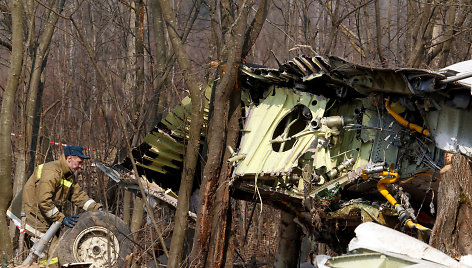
[6, 116]
[138, 93]
[211, 233]
[34, 97]
[378, 28]
[333, 33]
[20, 161]
[448, 35]
[256, 26]
[160, 58]
[424, 28]
[129, 83]
[452, 25]
[216, 143]
[289, 243]
[137, 220]
[193, 144]
[221, 216]
[126, 206]
[453, 228]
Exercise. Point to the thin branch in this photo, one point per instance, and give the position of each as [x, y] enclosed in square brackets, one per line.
[445, 40]
[49, 108]
[277, 27]
[52, 10]
[128, 5]
[354, 10]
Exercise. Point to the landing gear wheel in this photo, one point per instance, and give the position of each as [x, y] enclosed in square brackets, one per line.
[98, 238]
[96, 244]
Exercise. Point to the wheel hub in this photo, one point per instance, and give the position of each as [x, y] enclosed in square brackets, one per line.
[97, 245]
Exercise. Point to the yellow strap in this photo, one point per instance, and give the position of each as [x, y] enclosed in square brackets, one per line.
[40, 169]
[53, 260]
[66, 183]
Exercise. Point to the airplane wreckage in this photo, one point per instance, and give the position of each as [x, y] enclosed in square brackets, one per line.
[327, 139]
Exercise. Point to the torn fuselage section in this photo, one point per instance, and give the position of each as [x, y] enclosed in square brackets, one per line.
[296, 145]
[324, 129]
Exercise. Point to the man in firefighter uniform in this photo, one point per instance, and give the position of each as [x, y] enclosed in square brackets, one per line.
[48, 189]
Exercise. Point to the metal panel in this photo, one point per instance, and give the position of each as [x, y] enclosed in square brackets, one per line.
[451, 129]
[263, 119]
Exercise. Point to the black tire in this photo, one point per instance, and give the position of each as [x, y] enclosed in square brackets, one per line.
[98, 237]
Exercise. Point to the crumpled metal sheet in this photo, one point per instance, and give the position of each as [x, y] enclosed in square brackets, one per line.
[460, 68]
[452, 129]
[335, 73]
[379, 238]
[160, 155]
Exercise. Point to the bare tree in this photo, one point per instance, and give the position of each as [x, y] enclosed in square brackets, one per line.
[138, 97]
[226, 114]
[160, 59]
[34, 95]
[6, 116]
[192, 148]
[453, 226]
[233, 44]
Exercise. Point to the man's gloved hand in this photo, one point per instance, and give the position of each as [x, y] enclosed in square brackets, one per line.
[105, 210]
[70, 221]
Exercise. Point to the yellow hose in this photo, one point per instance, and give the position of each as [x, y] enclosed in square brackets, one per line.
[387, 177]
[392, 177]
[418, 226]
[404, 122]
